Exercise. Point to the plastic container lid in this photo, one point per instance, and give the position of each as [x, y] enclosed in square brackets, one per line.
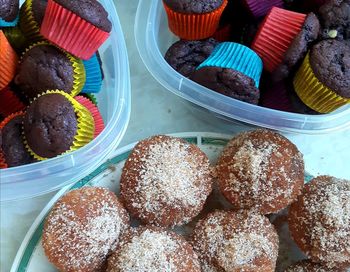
[114, 103]
[153, 38]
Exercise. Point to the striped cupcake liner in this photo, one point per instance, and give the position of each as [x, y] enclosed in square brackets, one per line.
[8, 61]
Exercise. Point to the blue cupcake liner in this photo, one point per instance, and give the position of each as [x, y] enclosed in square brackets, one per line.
[4, 23]
[237, 57]
[94, 75]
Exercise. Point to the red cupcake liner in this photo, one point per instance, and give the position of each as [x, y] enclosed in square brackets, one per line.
[9, 118]
[9, 102]
[223, 34]
[96, 115]
[194, 26]
[70, 32]
[3, 163]
[275, 36]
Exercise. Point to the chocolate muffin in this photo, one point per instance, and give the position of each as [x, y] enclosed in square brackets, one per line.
[44, 67]
[308, 266]
[165, 181]
[260, 170]
[185, 56]
[319, 221]
[155, 250]
[235, 241]
[50, 125]
[13, 148]
[193, 6]
[38, 9]
[9, 10]
[298, 48]
[335, 16]
[83, 228]
[89, 10]
[228, 82]
[330, 62]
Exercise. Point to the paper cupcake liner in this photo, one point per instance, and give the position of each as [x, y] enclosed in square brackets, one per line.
[4, 23]
[313, 93]
[16, 38]
[260, 8]
[85, 126]
[79, 76]
[9, 118]
[70, 32]
[275, 35]
[3, 163]
[93, 73]
[9, 102]
[91, 97]
[8, 61]
[99, 124]
[223, 34]
[194, 26]
[237, 57]
[27, 23]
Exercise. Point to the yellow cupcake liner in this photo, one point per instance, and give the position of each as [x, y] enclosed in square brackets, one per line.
[85, 125]
[79, 75]
[314, 93]
[28, 24]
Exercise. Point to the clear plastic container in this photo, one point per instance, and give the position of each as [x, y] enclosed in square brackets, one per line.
[153, 38]
[114, 103]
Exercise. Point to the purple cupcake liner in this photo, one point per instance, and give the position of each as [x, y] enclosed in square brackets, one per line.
[277, 97]
[260, 8]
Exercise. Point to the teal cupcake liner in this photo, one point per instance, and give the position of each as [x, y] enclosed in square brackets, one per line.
[237, 57]
[4, 23]
[94, 77]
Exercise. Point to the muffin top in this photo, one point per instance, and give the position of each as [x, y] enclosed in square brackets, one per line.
[185, 56]
[229, 82]
[83, 228]
[335, 15]
[153, 249]
[330, 61]
[165, 181]
[50, 125]
[89, 10]
[308, 266]
[319, 221]
[193, 6]
[9, 10]
[44, 67]
[13, 147]
[38, 9]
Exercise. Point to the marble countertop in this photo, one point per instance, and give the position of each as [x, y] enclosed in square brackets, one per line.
[154, 111]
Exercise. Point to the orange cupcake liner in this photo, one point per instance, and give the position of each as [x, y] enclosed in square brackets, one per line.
[315, 94]
[8, 61]
[99, 124]
[194, 26]
[70, 32]
[3, 163]
[275, 35]
[9, 102]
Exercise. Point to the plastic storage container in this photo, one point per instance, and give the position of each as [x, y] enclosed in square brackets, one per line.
[114, 103]
[153, 38]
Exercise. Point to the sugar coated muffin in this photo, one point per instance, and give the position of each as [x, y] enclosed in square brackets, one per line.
[165, 181]
[83, 228]
[308, 266]
[260, 170]
[152, 249]
[235, 241]
[319, 221]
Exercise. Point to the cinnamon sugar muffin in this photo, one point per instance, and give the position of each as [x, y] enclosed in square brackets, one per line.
[83, 228]
[152, 249]
[165, 181]
[319, 222]
[236, 241]
[260, 170]
[308, 266]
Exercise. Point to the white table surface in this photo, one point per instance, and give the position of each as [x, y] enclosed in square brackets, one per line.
[154, 111]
